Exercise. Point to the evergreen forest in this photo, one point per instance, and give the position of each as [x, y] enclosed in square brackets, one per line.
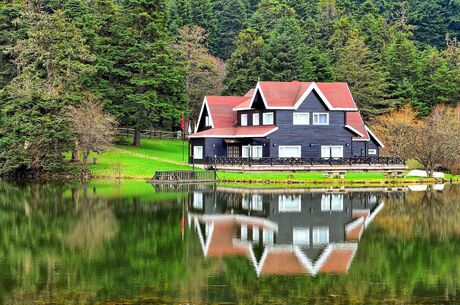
[151, 62]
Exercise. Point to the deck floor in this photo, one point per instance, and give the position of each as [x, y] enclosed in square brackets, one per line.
[310, 168]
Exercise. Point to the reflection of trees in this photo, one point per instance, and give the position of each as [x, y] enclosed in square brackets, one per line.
[424, 214]
[96, 224]
[63, 244]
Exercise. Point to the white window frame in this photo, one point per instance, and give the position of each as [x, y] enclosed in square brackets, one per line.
[198, 152]
[283, 200]
[245, 151]
[298, 232]
[297, 121]
[255, 119]
[372, 151]
[265, 117]
[245, 203]
[281, 147]
[316, 118]
[316, 231]
[329, 150]
[255, 233]
[255, 149]
[267, 236]
[244, 232]
[257, 203]
[332, 202]
[198, 200]
[244, 119]
[207, 122]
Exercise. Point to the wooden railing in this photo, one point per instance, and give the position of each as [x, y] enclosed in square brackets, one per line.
[305, 161]
[184, 176]
[151, 133]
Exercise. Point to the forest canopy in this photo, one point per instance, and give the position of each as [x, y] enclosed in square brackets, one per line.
[150, 62]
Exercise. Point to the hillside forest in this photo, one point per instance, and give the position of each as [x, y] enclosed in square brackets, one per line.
[148, 63]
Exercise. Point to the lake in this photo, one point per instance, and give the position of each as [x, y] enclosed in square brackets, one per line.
[135, 243]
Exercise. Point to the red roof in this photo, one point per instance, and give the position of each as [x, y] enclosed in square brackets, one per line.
[338, 261]
[282, 263]
[355, 121]
[221, 108]
[288, 94]
[234, 132]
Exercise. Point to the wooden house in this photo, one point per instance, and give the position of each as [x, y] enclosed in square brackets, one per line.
[283, 120]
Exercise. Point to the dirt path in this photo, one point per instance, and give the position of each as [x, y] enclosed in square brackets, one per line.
[139, 155]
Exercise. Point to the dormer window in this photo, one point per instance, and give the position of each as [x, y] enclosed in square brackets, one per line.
[320, 118]
[244, 120]
[267, 118]
[255, 119]
[207, 123]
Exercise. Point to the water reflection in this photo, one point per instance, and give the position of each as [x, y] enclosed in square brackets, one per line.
[304, 231]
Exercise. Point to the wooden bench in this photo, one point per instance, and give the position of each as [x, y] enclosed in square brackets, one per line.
[394, 174]
[335, 174]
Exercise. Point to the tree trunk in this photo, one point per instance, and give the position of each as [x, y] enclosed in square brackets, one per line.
[137, 137]
[75, 157]
[85, 156]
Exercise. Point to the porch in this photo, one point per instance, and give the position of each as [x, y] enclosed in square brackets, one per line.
[269, 164]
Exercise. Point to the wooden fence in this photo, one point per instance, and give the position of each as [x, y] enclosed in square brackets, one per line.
[184, 176]
[151, 133]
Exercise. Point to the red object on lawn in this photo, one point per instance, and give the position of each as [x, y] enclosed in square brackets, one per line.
[182, 122]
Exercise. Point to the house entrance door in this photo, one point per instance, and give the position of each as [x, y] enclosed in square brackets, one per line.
[233, 151]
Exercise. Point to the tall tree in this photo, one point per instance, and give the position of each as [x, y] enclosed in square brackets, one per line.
[156, 77]
[53, 62]
[244, 67]
[231, 19]
[285, 53]
[204, 72]
[365, 76]
[204, 17]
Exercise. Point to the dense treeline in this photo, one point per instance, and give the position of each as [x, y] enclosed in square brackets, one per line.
[148, 62]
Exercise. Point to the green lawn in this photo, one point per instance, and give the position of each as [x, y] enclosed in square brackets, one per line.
[128, 162]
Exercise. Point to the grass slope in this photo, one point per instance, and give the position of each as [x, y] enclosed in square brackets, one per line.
[129, 162]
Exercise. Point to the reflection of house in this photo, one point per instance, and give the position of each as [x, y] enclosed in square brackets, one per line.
[284, 232]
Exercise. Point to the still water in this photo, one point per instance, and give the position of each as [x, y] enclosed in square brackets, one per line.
[134, 243]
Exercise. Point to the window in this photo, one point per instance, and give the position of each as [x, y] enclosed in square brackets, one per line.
[320, 118]
[320, 235]
[256, 203]
[267, 118]
[372, 151]
[256, 151]
[267, 236]
[197, 152]
[244, 120]
[255, 233]
[289, 203]
[301, 118]
[289, 151]
[198, 200]
[233, 151]
[332, 202]
[337, 202]
[255, 119]
[245, 203]
[245, 151]
[301, 236]
[332, 151]
[207, 122]
[244, 232]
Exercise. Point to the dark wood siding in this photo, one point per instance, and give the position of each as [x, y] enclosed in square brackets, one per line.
[311, 137]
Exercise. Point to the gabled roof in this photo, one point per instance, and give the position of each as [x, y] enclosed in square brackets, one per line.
[220, 109]
[355, 123]
[236, 132]
[289, 95]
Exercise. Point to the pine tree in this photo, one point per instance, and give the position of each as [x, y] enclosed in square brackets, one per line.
[365, 76]
[53, 63]
[285, 53]
[231, 19]
[155, 96]
[203, 16]
[244, 67]
[268, 14]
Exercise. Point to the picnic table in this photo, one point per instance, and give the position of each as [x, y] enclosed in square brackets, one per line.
[335, 174]
[394, 174]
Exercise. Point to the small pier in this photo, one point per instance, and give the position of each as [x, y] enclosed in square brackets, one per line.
[184, 176]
